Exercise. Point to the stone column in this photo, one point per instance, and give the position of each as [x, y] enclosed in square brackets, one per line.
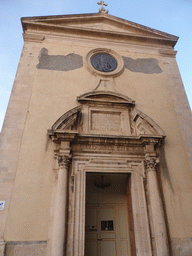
[157, 219]
[59, 227]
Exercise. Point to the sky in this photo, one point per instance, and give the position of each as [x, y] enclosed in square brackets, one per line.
[170, 16]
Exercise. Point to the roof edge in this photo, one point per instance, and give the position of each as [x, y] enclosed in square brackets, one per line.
[102, 15]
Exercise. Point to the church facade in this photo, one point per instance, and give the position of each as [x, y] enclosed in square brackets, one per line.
[96, 155]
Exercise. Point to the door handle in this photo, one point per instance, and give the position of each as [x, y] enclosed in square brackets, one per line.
[99, 239]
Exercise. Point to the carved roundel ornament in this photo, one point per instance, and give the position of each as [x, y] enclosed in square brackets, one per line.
[104, 62]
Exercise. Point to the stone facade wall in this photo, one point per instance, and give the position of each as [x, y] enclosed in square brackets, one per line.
[13, 127]
[45, 88]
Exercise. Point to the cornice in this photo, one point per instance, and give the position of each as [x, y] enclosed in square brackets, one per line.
[167, 53]
[52, 25]
[113, 35]
[94, 17]
[33, 38]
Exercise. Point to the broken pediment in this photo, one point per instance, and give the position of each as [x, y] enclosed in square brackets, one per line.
[68, 120]
[100, 25]
[144, 125]
[106, 114]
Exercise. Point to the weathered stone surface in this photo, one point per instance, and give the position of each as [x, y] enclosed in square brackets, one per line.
[105, 121]
[26, 248]
[58, 62]
[13, 127]
[98, 117]
[145, 66]
[182, 246]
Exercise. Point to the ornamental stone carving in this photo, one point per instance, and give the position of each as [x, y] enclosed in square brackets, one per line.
[63, 161]
[106, 133]
[151, 162]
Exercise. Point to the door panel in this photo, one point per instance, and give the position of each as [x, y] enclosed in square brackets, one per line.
[91, 248]
[107, 235]
[108, 248]
[113, 242]
[123, 221]
[124, 248]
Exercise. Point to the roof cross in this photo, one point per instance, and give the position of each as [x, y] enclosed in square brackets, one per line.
[102, 8]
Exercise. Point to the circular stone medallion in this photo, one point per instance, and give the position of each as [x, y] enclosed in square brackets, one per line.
[103, 62]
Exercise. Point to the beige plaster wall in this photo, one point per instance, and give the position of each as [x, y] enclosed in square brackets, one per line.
[54, 93]
[14, 123]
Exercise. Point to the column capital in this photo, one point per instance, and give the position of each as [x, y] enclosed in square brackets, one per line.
[63, 161]
[151, 160]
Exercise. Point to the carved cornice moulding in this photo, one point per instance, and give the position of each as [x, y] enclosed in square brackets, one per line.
[86, 33]
[113, 145]
[33, 38]
[167, 52]
[62, 135]
[91, 143]
[119, 98]
[83, 25]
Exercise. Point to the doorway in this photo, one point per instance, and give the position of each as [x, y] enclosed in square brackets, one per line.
[106, 221]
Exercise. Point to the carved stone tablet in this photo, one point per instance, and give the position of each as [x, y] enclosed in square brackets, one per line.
[106, 121]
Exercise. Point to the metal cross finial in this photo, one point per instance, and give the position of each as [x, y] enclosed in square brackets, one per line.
[102, 8]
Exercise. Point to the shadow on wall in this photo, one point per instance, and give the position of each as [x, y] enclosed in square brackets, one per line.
[165, 170]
